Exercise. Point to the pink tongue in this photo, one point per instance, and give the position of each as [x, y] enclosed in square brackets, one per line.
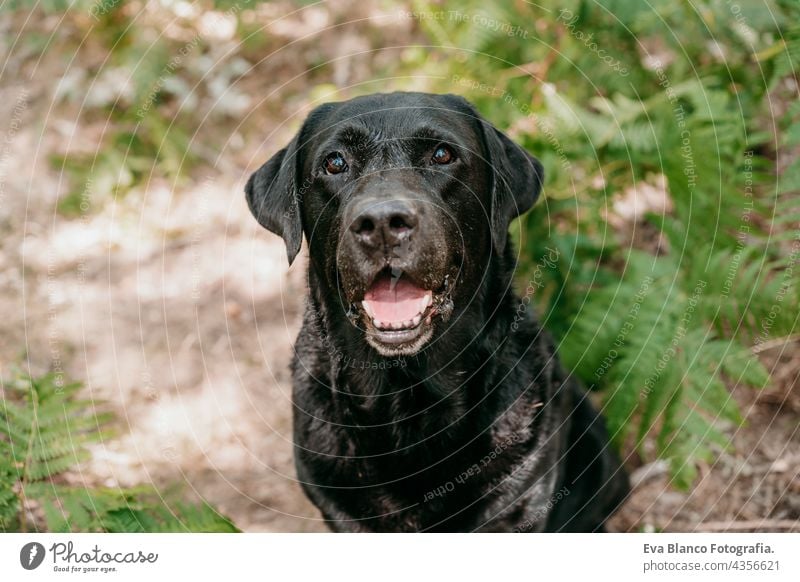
[395, 300]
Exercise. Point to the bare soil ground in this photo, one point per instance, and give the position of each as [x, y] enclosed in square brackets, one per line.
[755, 486]
[175, 307]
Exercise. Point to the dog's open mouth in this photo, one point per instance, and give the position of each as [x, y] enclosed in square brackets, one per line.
[399, 313]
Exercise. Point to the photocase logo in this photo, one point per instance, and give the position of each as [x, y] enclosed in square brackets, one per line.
[31, 555]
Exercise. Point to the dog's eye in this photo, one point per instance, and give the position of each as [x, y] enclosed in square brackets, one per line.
[335, 163]
[442, 155]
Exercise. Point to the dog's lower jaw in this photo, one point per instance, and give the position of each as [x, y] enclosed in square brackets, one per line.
[407, 349]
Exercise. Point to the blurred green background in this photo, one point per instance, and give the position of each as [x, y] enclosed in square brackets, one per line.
[662, 255]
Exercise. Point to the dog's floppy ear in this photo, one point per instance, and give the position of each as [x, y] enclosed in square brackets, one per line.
[516, 180]
[272, 191]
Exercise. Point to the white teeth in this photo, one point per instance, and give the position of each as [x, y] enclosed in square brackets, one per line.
[398, 325]
[426, 300]
[368, 309]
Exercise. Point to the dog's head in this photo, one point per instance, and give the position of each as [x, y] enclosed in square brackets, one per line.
[404, 198]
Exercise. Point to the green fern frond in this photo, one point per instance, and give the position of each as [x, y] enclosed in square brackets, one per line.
[183, 517]
[9, 500]
[44, 432]
[650, 343]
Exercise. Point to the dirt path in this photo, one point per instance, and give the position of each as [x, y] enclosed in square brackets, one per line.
[176, 308]
[182, 316]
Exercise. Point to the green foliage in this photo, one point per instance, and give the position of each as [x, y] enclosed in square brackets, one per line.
[140, 99]
[649, 342]
[44, 432]
[659, 312]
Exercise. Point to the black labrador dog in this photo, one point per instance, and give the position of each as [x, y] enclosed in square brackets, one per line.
[421, 402]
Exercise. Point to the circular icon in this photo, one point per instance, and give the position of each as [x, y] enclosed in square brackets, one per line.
[31, 555]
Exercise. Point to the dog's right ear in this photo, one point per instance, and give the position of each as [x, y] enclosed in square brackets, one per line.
[272, 192]
[516, 175]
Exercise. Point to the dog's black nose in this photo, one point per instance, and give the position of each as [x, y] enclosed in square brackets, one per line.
[385, 223]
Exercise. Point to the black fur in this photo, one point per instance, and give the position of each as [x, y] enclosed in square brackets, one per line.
[474, 427]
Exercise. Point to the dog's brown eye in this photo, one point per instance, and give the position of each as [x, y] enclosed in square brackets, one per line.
[335, 163]
[442, 155]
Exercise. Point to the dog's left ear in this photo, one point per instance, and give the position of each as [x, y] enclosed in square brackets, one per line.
[272, 191]
[516, 179]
